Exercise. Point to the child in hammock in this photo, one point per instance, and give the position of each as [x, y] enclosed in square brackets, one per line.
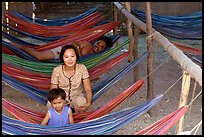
[58, 114]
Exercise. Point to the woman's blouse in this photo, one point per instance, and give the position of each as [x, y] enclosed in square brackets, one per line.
[73, 85]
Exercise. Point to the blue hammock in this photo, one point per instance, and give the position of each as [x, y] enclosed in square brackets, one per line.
[197, 58]
[100, 88]
[54, 22]
[180, 27]
[106, 124]
[25, 55]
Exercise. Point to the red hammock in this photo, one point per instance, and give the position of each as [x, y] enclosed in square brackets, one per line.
[87, 35]
[163, 125]
[42, 81]
[65, 30]
[30, 116]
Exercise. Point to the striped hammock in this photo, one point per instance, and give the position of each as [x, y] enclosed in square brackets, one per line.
[9, 48]
[106, 124]
[42, 81]
[64, 30]
[47, 68]
[54, 22]
[163, 125]
[41, 95]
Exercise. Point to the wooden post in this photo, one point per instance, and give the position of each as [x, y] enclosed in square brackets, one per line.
[150, 91]
[130, 33]
[115, 31]
[186, 64]
[183, 97]
[135, 50]
[3, 11]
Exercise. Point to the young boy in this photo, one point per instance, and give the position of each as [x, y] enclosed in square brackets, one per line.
[59, 114]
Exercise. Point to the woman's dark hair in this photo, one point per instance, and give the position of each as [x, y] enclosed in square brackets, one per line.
[68, 47]
[55, 93]
[107, 40]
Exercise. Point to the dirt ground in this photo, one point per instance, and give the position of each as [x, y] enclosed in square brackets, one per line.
[163, 78]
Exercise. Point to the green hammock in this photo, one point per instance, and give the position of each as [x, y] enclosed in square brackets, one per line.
[47, 68]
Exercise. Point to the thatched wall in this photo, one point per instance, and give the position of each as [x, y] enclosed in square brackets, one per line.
[51, 10]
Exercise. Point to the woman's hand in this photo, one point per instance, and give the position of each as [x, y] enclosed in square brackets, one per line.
[83, 108]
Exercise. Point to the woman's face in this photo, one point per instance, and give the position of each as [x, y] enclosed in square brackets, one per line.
[70, 58]
[99, 46]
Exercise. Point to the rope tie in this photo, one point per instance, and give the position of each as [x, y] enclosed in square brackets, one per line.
[173, 84]
[157, 67]
[150, 36]
[195, 98]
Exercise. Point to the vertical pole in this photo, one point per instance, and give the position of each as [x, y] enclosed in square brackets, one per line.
[130, 33]
[115, 31]
[183, 97]
[135, 50]
[150, 91]
[3, 12]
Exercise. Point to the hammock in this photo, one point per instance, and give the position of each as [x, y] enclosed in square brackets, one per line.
[163, 125]
[47, 68]
[106, 124]
[25, 55]
[184, 48]
[197, 58]
[36, 37]
[54, 22]
[42, 82]
[180, 27]
[87, 35]
[26, 115]
[41, 95]
[64, 30]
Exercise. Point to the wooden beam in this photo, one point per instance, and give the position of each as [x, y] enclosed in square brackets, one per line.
[130, 33]
[135, 50]
[186, 64]
[150, 90]
[183, 97]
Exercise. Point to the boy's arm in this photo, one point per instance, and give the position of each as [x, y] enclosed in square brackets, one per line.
[45, 120]
[70, 116]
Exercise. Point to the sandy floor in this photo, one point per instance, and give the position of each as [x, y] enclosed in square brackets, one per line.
[164, 77]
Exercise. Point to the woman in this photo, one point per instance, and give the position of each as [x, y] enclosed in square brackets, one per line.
[83, 48]
[74, 79]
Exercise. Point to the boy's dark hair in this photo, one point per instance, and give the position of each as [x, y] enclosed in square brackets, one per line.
[68, 47]
[55, 93]
[107, 40]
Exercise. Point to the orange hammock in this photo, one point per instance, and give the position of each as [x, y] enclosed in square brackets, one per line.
[163, 125]
[186, 48]
[42, 81]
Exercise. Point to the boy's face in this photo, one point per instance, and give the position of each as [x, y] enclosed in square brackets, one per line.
[58, 104]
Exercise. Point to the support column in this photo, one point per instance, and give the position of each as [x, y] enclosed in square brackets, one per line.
[183, 97]
[150, 91]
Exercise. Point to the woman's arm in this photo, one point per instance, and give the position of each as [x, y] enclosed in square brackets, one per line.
[45, 120]
[88, 90]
